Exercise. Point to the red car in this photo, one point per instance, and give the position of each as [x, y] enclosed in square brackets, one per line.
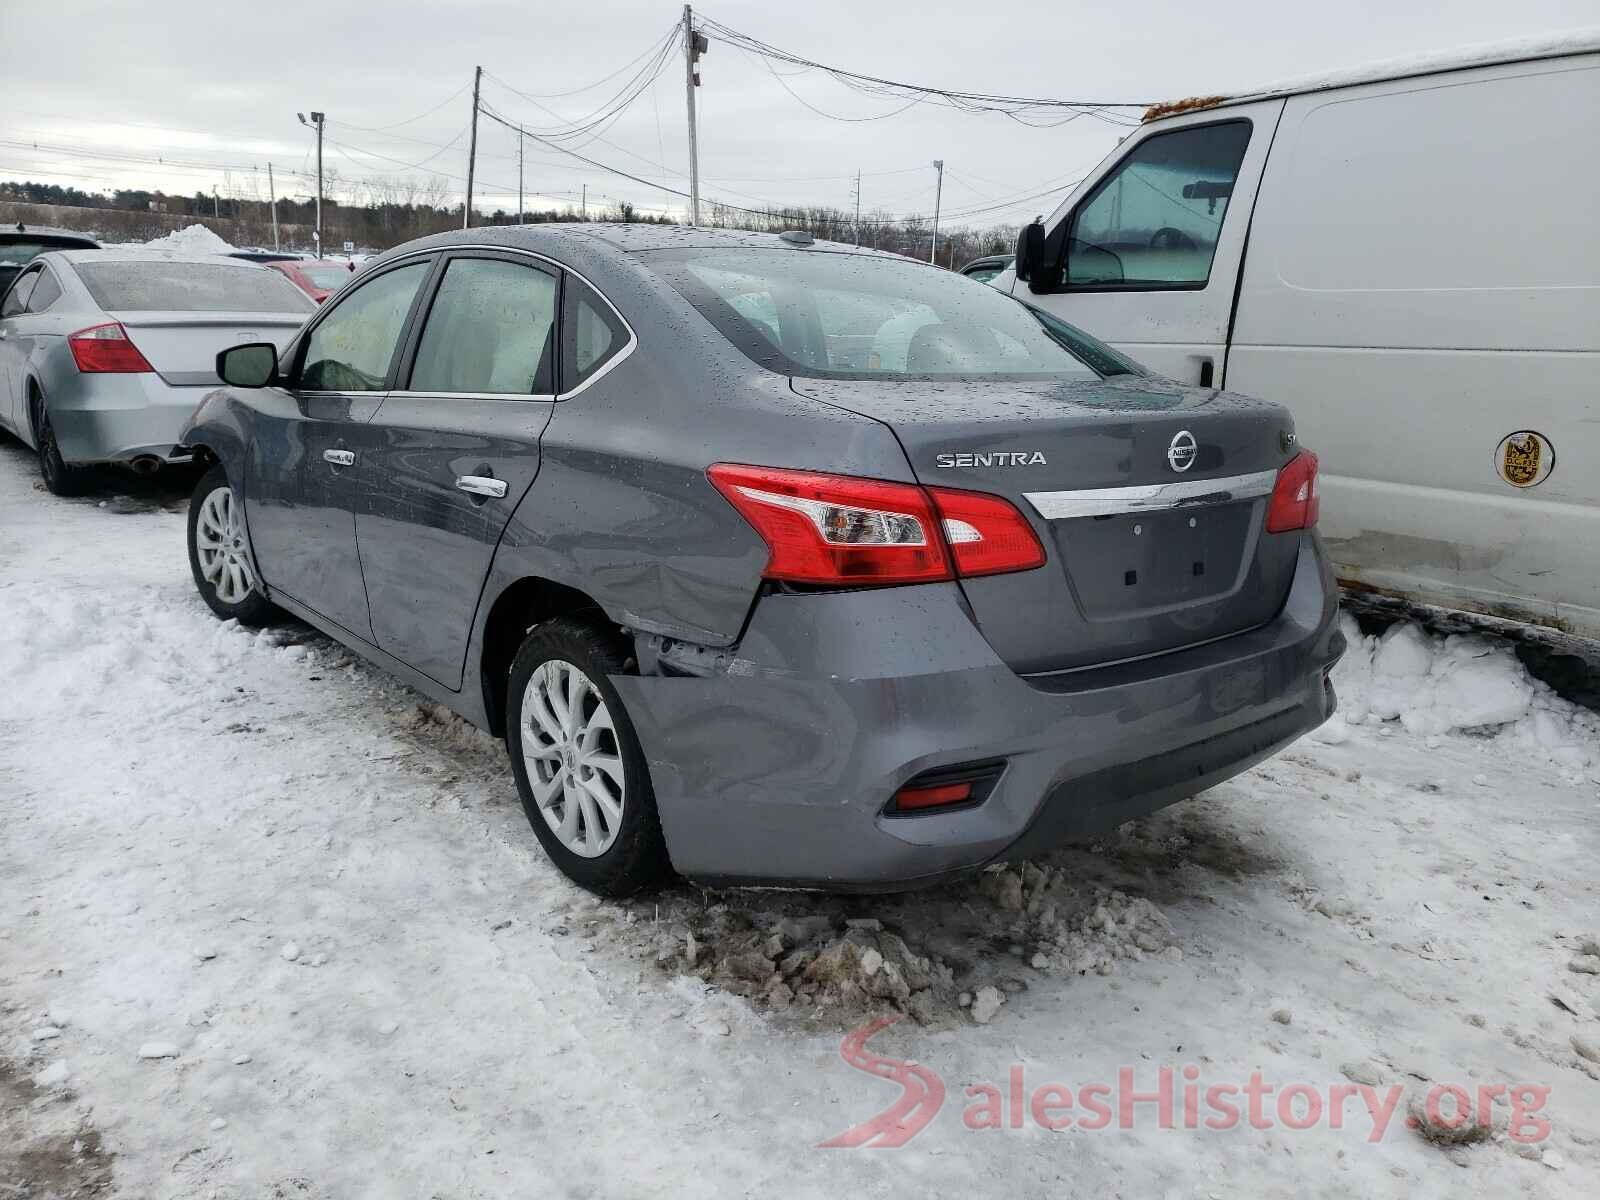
[318, 278]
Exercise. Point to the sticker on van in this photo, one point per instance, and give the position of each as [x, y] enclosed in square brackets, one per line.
[1524, 459]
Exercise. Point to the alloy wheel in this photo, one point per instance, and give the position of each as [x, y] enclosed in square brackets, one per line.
[573, 758]
[219, 545]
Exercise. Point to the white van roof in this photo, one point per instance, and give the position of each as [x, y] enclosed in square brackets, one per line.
[1546, 45]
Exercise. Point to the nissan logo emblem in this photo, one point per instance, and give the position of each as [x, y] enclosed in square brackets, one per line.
[1181, 452]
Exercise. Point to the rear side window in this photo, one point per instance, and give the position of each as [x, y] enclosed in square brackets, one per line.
[352, 346]
[491, 329]
[45, 293]
[1154, 221]
[133, 285]
[592, 334]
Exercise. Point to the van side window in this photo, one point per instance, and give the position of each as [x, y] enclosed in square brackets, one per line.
[1154, 221]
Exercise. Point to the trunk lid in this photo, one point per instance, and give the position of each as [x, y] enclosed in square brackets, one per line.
[1142, 558]
[183, 346]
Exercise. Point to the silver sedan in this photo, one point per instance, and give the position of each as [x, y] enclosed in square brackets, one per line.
[104, 354]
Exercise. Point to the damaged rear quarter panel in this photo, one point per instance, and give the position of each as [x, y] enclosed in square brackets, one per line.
[622, 509]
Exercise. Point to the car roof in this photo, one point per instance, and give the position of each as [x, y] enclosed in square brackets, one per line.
[553, 238]
[1549, 45]
[23, 232]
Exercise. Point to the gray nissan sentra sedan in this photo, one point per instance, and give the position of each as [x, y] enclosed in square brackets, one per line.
[104, 354]
[773, 561]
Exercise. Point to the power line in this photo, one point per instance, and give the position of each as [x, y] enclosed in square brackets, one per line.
[1012, 106]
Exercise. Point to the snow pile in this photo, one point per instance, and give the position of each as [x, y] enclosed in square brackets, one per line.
[195, 239]
[97, 656]
[1438, 685]
[1068, 929]
[943, 956]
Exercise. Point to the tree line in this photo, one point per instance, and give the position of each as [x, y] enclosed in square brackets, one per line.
[377, 213]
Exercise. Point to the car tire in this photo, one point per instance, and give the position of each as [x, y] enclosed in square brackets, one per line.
[219, 556]
[583, 778]
[60, 477]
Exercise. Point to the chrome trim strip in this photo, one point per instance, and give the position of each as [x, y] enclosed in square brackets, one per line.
[1110, 502]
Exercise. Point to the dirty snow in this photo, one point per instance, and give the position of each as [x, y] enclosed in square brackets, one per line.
[186, 801]
[192, 239]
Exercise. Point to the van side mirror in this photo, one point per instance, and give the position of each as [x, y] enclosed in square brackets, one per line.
[1036, 264]
[251, 366]
[1030, 250]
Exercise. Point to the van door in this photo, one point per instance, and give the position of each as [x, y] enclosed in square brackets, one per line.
[1150, 244]
[1423, 291]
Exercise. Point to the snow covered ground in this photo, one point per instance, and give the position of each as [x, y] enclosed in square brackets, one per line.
[270, 927]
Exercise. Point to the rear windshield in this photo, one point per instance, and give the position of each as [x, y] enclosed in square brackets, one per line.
[850, 316]
[327, 277]
[130, 285]
[17, 254]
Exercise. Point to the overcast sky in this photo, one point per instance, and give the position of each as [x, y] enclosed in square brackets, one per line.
[90, 88]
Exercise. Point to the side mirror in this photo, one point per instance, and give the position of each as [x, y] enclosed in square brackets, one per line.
[1030, 250]
[251, 366]
[1038, 258]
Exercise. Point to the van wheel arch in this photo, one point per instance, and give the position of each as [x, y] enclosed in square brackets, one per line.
[518, 609]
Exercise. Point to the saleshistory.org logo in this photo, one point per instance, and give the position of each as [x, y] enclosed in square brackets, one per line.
[1178, 1098]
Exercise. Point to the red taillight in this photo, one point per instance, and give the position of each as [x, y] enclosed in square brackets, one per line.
[832, 529]
[835, 528]
[1294, 497]
[102, 348]
[986, 534]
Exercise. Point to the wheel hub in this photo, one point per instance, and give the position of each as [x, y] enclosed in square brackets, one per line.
[572, 757]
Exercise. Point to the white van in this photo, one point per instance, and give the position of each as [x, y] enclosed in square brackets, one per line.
[1409, 258]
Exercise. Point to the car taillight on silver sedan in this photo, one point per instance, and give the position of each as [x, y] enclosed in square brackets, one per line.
[106, 348]
[838, 529]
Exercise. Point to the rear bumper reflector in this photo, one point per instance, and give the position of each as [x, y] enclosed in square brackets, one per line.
[945, 788]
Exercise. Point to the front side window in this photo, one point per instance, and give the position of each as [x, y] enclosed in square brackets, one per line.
[856, 316]
[591, 333]
[491, 329]
[351, 348]
[45, 292]
[17, 298]
[1154, 221]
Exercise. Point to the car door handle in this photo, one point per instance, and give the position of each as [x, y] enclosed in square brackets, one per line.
[479, 485]
[340, 458]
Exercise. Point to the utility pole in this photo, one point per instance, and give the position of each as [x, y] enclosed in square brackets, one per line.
[316, 123]
[694, 45]
[858, 208]
[583, 205]
[472, 149]
[519, 174]
[272, 190]
[938, 194]
[216, 205]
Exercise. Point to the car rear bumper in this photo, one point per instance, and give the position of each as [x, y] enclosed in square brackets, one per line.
[117, 418]
[776, 765]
